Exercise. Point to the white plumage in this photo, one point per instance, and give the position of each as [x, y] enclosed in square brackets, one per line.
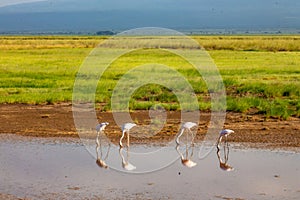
[185, 126]
[125, 129]
[224, 133]
[101, 126]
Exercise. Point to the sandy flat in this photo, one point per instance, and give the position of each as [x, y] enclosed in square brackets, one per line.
[57, 121]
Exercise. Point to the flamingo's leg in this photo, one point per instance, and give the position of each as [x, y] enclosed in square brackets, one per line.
[128, 139]
[219, 140]
[193, 137]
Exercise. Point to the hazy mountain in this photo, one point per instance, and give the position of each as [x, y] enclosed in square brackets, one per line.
[4, 3]
[91, 15]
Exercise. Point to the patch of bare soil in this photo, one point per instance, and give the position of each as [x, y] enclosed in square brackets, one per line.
[57, 121]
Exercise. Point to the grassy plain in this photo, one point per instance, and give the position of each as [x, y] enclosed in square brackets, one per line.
[261, 73]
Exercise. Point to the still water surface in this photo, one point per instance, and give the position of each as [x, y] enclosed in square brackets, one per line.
[64, 169]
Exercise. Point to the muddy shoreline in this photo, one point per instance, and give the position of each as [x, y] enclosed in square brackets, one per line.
[57, 121]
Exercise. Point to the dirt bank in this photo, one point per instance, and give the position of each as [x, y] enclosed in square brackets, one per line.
[57, 121]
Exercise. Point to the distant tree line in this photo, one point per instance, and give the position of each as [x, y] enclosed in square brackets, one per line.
[105, 33]
[56, 33]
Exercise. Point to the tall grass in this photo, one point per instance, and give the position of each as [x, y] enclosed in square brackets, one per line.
[261, 73]
[49, 42]
[250, 43]
[236, 43]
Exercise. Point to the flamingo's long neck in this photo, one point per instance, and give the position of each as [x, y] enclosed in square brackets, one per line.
[179, 135]
[123, 133]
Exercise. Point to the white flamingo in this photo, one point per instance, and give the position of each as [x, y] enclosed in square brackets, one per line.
[186, 126]
[101, 126]
[125, 129]
[224, 133]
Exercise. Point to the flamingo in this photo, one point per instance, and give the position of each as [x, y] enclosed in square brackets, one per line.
[186, 126]
[125, 128]
[101, 126]
[224, 133]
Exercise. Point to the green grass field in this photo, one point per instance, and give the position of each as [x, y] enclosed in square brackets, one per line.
[261, 73]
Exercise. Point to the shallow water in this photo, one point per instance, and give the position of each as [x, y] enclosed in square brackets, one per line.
[48, 168]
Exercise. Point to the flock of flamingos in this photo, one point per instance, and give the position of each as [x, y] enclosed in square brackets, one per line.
[185, 160]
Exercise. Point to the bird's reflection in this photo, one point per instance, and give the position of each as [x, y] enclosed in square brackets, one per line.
[100, 158]
[186, 159]
[125, 161]
[189, 145]
[224, 162]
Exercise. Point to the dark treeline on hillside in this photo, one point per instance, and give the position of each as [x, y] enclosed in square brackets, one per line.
[101, 32]
[187, 32]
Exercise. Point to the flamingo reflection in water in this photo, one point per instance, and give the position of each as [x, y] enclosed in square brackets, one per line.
[223, 164]
[186, 160]
[100, 160]
[125, 162]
